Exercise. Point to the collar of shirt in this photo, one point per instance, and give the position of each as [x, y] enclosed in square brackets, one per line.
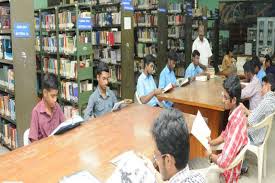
[42, 107]
[181, 175]
[167, 70]
[254, 79]
[198, 40]
[107, 92]
[144, 76]
[233, 112]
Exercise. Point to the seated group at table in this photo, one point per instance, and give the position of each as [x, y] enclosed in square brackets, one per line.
[170, 131]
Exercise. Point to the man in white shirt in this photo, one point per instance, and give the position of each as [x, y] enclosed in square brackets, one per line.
[202, 45]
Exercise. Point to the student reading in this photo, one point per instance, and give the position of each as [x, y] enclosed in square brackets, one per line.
[47, 114]
[103, 99]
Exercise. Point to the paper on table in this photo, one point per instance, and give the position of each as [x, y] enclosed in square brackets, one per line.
[122, 157]
[201, 131]
[82, 176]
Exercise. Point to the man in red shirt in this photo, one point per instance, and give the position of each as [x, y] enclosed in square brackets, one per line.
[47, 114]
[234, 136]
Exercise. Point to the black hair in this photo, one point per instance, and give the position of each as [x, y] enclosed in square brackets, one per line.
[268, 59]
[170, 133]
[50, 82]
[172, 55]
[256, 62]
[195, 53]
[102, 67]
[249, 67]
[229, 50]
[270, 78]
[149, 59]
[232, 86]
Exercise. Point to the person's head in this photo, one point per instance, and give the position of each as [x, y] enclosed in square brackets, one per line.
[171, 137]
[268, 84]
[249, 70]
[232, 92]
[268, 61]
[102, 75]
[257, 64]
[172, 60]
[229, 52]
[149, 64]
[50, 89]
[196, 57]
[201, 32]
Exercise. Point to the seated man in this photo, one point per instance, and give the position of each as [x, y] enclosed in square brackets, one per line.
[194, 69]
[103, 99]
[228, 66]
[259, 71]
[252, 91]
[47, 114]
[171, 154]
[265, 108]
[269, 67]
[146, 86]
[234, 136]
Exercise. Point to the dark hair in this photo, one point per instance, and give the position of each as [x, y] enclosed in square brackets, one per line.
[149, 59]
[172, 55]
[268, 59]
[195, 53]
[270, 78]
[102, 67]
[249, 67]
[229, 50]
[256, 62]
[232, 86]
[50, 82]
[170, 133]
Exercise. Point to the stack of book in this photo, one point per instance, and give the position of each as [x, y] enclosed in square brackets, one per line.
[49, 44]
[108, 55]
[48, 21]
[147, 35]
[50, 65]
[8, 134]
[6, 48]
[142, 50]
[67, 20]
[7, 106]
[146, 20]
[7, 77]
[37, 43]
[106, 37]
[70, 111]
[5, 22]
[107, 19]
[115, 74]
[37, 23]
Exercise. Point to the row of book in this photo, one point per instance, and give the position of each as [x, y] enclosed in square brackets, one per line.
[108, 55]
[108, 1]
[117, 91]
[37, 43]
[145, 4]
[7, 106]
[177, 44]
[142, 50]
[5, 22]
[176, 32]
[175, 7]
[6, 48]
[8, 134]
[67, 19]
[141, 19]
[68, 68]
[50, 65]
[176, 19]
[115, 73]
[48, 21]
[106, 37]
[7, 77]
[70, 111]
[107, 19]
[147, 35]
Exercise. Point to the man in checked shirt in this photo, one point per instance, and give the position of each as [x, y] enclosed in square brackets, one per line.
[234, 136]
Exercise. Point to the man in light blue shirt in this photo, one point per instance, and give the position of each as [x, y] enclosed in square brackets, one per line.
[194, 69]
[259, 71]
[146, 86]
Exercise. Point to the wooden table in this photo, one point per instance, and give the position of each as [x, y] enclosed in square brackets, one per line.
[205, 96]
[88, 147]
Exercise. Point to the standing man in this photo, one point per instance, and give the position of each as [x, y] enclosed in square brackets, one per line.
[202, 45]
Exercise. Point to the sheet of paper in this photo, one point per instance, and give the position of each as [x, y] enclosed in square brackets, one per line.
[127, 23]
[201, 131]
[82, 176]
[123, 157]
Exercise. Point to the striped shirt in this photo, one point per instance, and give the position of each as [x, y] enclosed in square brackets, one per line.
[235, 137]
[187, 176]
[265, 108]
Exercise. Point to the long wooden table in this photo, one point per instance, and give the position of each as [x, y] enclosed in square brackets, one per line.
[204, 96]
[88, 147]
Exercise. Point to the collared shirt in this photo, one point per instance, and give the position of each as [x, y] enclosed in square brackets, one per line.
[235, 138]
[192, 71]
[187, 176]
[252, 92]
[261, 74]
[99, 105]
[265, 108]
[228, 67]
[204, 48]
[270, 69]
[145, 85]
[42, 124]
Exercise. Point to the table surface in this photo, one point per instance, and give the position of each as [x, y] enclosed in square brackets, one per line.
[89, 147]
[207, 94]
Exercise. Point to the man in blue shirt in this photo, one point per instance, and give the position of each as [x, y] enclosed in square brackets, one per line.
[259, 71]
[146, 86]
[194, 69]
[270, 68]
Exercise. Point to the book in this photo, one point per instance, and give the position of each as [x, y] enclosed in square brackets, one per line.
[168, 88]
[145, 19]
[5, 22]
[8, 134]
[7, 77]
[182, 81]
[6, 48]
[70, 111]
[7, 106]
[68, 125]
[176, 32]
[145, 4]
[66, 19]
[147, 35]
[106, 37]
[50, 65]
[143, 49]
[201, 131]
[49, 44]
[108, 55]
[48, 21]
[107, 19]
[201, 78]
[121, 104]
[82, 176]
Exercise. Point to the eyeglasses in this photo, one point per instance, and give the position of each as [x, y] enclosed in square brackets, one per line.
[155, 157]
[225, 97]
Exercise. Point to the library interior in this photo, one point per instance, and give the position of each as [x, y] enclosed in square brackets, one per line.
[137, 91]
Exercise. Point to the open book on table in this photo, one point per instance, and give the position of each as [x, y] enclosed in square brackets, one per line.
[182, 81]
[201, 131]
[68, 125]
[167, 88]
[120, 104]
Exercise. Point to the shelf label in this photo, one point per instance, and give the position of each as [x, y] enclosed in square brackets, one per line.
[22, 30]
[128, 8]
[162, 10]
[85, 23]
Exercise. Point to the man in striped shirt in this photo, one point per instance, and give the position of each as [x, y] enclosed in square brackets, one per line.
[234, 136]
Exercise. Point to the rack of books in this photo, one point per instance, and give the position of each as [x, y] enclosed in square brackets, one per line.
[8, 133]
